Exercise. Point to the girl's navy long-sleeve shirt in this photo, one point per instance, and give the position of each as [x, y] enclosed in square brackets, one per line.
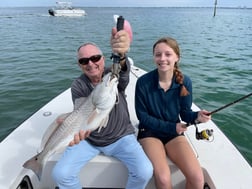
[160, 110]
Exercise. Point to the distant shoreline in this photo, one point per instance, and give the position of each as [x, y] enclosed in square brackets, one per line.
[239, 7]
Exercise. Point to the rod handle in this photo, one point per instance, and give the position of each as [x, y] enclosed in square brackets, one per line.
[120, 23]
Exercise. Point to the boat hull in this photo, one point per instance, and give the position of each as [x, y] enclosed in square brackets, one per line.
[71, 13]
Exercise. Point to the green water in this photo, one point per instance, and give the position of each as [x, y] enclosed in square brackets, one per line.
[38, 58]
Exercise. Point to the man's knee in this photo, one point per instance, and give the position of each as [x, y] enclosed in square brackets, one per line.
[145, 171]
[60, 174]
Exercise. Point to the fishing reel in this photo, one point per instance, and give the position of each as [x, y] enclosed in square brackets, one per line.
[206, 134]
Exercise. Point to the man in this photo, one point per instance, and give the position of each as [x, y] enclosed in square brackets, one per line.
[117, 139]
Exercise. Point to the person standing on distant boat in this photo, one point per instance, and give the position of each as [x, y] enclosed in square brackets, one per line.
[117, 139]
[162, 97]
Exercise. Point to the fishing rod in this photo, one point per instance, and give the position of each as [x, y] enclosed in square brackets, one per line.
[116, 67]
[206, 134]
[227, 105]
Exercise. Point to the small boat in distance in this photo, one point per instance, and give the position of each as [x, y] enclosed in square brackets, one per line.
[65, 9]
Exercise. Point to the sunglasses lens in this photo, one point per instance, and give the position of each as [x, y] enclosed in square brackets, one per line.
[85, 61]
[95, 58]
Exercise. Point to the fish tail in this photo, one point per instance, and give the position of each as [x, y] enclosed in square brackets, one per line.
[34, 165]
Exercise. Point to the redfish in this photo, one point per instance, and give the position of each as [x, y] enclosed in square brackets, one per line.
[89, 113]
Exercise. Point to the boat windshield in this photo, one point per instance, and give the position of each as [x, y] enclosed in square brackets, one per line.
[64, 5]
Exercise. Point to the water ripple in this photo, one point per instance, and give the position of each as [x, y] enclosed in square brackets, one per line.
[38, 60]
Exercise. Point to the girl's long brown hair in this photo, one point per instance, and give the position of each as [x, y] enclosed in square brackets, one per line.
[177, 72]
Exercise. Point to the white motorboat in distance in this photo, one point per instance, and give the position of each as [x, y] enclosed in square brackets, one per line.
[223, 165]
[65, 9]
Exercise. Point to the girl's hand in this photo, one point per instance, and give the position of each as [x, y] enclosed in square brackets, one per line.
[203, 116]
[181, 128]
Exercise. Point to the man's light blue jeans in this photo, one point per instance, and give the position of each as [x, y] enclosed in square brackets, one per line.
[127, 149]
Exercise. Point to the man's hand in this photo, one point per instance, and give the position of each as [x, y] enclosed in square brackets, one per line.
[82, 135]
[120, 41]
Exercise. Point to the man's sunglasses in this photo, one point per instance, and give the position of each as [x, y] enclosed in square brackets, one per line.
[94, 59]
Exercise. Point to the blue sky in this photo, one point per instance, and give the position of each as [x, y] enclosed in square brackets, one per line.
[94, 3]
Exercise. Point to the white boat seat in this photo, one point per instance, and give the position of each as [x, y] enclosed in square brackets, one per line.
[99, 167]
